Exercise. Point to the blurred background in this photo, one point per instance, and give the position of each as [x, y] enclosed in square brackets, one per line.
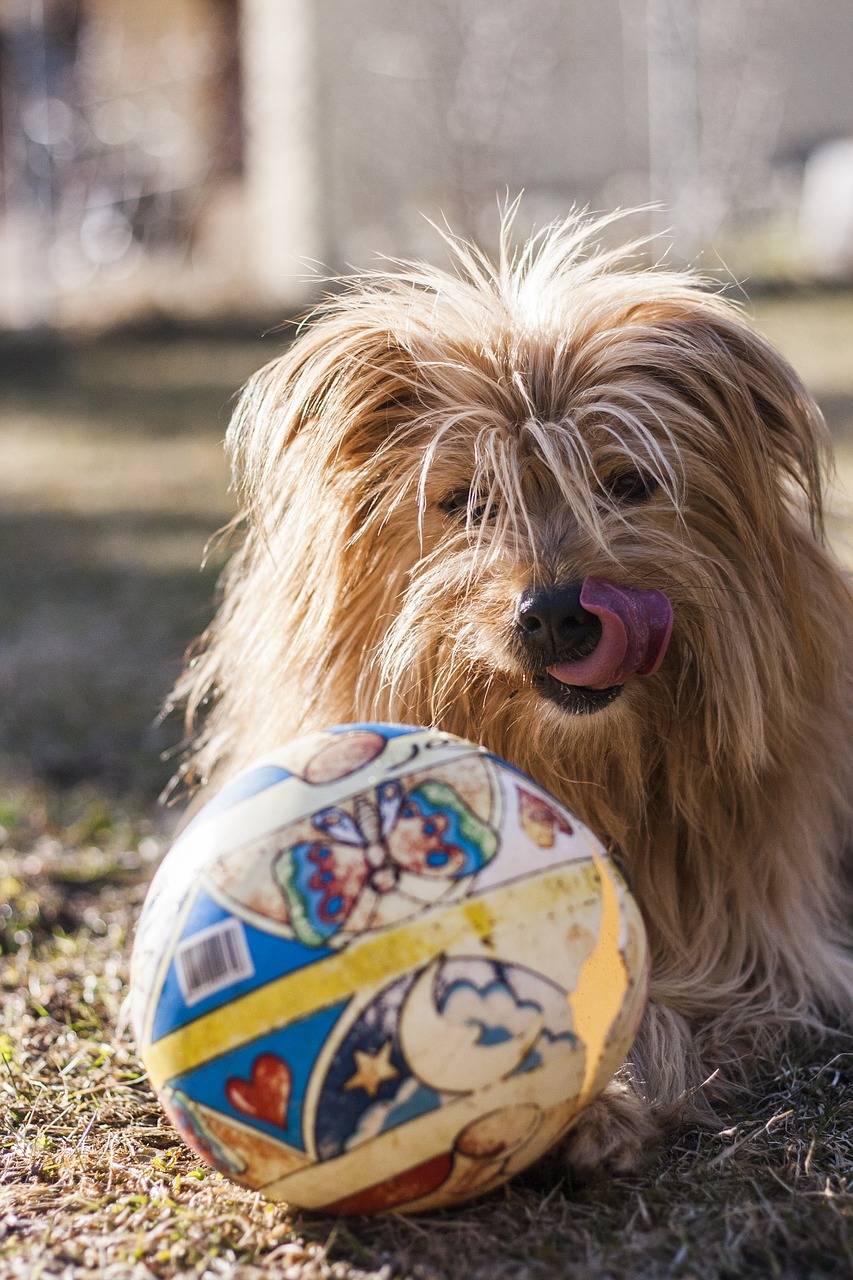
[178, 177]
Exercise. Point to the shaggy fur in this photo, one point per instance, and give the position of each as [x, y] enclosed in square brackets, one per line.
[434, 444]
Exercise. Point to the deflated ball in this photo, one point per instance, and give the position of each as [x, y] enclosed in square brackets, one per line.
[383, 970]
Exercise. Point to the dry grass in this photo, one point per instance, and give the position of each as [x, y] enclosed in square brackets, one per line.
[113, 481]
[95, 1183]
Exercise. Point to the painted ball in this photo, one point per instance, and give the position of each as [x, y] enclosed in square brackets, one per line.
[383, 970]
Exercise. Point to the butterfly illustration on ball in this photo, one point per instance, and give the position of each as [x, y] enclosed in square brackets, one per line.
[395, 854]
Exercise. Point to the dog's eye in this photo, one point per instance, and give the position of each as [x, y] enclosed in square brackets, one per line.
[459, 503]
[455, 504]
[632, 487]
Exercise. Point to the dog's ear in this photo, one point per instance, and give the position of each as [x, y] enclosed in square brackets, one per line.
[346, 383]
[736, 379]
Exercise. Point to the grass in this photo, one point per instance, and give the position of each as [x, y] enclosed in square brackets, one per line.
[95, 1183]
[113, 481]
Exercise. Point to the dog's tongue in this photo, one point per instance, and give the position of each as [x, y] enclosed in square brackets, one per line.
[635, 631]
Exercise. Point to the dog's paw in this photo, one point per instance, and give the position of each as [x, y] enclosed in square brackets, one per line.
[616, 1134]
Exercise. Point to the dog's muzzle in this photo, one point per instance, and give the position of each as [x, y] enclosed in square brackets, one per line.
[584, 640]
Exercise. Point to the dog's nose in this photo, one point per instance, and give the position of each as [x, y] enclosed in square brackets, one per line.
[553, 621]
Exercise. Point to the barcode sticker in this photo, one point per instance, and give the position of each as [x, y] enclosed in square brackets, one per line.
[213, 959]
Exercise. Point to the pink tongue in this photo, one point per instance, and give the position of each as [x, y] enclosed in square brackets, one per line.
[635, 631]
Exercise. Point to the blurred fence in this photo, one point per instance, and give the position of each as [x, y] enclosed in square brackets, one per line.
[208, 157]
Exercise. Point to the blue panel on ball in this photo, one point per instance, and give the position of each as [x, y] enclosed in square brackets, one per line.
[377, 726]
[265, 957]
[242, 788]
[263, 1084]
[505, 764]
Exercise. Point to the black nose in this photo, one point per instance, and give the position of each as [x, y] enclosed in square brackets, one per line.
[553, 624]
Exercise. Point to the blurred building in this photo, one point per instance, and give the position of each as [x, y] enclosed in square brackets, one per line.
[198, 157]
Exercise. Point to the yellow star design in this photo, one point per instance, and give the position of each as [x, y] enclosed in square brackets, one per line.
[372, 1069]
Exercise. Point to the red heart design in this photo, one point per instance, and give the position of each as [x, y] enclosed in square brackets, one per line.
[267, 1094]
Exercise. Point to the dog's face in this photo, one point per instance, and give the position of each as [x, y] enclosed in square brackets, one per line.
[563, 510]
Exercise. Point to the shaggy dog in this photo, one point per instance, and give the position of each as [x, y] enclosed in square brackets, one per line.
[478, 500]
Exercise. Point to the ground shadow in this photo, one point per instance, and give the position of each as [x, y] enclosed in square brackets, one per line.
[94, 620]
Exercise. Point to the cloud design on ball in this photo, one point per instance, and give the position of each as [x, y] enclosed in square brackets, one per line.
[462, 1033]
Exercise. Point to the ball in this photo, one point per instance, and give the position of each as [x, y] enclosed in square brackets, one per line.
[383, 970]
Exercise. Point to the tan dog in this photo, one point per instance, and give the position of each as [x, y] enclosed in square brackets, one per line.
[480, 501]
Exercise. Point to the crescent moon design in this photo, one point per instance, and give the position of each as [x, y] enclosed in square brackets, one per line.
[446, 1055]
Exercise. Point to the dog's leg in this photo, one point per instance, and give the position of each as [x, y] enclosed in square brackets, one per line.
[616, 1134]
